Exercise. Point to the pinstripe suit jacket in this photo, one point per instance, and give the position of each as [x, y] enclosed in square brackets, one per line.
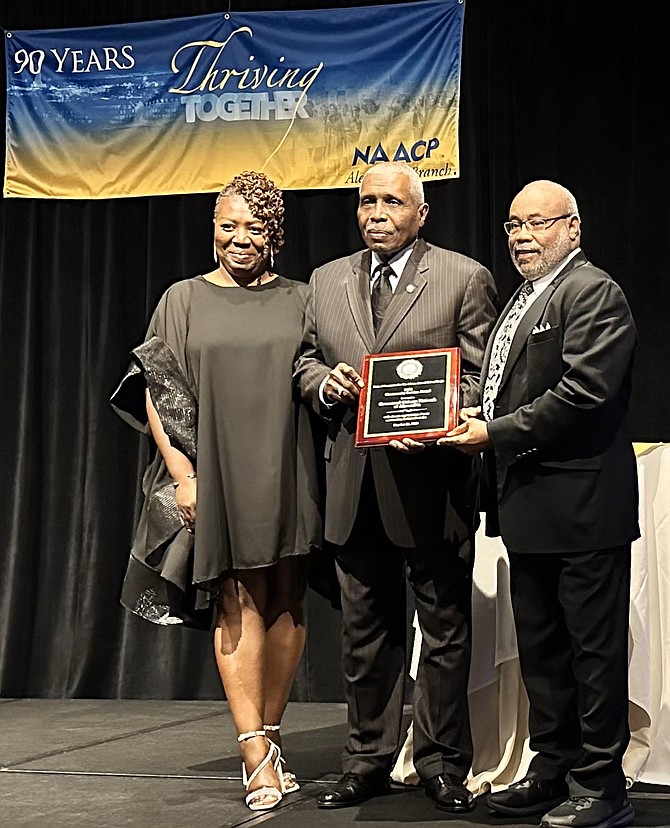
[424, 497]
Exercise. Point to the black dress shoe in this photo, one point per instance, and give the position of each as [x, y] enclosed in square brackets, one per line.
[352, 789]
[449, 793]
[527, 797]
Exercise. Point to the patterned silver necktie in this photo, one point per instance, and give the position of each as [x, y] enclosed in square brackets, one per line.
[381, 295]
[500, 349]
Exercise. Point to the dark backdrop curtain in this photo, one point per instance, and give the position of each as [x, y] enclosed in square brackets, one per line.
[570, 91]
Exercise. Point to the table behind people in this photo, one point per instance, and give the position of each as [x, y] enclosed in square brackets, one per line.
[406, 506]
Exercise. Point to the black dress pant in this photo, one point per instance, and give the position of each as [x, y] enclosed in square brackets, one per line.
[571, 616]
[371, 571]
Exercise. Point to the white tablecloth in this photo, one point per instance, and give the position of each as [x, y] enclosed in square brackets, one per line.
[498, 703]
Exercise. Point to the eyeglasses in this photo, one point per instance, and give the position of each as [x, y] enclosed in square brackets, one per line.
[534, 225]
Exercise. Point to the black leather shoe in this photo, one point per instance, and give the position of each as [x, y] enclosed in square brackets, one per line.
[527, 797]
[449, 793]
[352, 789]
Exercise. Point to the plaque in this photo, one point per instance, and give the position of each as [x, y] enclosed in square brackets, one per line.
[408, 394]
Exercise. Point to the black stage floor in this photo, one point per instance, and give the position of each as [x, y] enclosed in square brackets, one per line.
[173, 764]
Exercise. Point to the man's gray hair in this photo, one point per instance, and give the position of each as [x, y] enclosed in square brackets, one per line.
[402, 168]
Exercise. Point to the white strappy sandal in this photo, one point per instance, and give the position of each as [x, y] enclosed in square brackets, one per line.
[290, 782]
[268, 796]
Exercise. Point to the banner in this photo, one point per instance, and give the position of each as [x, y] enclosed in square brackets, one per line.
[311, 98]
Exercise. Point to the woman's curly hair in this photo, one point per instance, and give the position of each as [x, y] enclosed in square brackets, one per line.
[264, 199]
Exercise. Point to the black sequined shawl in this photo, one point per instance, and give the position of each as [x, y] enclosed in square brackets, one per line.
[158, 583]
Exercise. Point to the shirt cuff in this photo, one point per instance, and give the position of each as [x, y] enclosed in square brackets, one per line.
[322, 396]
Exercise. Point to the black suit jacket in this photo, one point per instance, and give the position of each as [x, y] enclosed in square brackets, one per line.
[564, 462]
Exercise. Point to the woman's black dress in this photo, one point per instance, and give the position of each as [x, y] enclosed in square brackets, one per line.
[218, 362]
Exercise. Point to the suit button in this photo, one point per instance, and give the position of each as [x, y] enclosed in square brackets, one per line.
[362, 452]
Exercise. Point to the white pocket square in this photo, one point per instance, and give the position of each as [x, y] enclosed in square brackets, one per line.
[545, 326]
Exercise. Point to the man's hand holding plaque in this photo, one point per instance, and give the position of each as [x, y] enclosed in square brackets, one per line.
[408, 398]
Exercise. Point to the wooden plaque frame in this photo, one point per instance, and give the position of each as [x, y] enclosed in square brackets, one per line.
[408, 394]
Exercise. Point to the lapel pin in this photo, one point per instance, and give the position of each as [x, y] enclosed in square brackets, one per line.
[410, 288]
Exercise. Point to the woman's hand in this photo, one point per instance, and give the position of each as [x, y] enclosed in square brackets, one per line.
[186, 495]
[178, 465]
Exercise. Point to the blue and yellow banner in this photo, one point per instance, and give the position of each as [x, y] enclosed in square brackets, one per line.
[312, 98]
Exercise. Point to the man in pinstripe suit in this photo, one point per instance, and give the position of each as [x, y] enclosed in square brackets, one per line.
[409, 507]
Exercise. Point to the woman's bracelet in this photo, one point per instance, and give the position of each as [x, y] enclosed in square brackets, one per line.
[190, 475]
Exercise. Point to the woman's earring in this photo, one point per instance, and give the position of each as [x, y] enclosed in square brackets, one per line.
[216, 255]
[272, 258]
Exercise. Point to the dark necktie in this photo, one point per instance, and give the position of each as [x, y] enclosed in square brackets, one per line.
[382, 294]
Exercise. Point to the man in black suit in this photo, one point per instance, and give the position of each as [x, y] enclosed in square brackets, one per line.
[555, 391]
[406, 507]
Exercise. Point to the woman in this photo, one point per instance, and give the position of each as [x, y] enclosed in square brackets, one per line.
[231, 498]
